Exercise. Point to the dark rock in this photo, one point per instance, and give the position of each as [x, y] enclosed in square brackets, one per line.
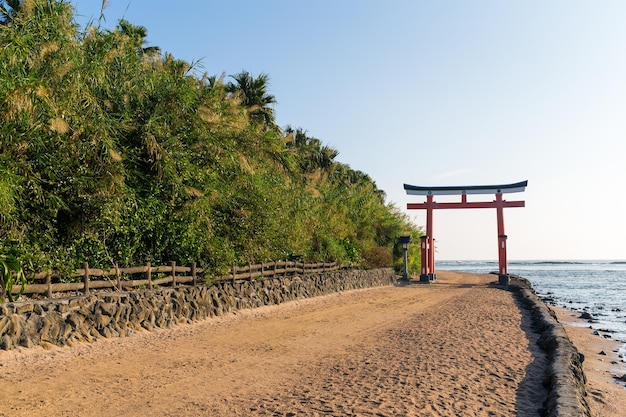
[64, 333]
[24, 308]
[75, 319]
[585, 315]
[15, 325]
[107, 332]
[63, 306]
[105, 308]
[7, 309]
[94, 333]
[4, 323]
[6, 343]
[606, 330]
[75, 302]
[24, 340]
[32, 327]
[101, 320]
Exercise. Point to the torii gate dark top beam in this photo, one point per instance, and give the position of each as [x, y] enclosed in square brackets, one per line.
[428, 246]
[470, 189]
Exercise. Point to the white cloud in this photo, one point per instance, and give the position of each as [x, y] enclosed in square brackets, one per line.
[453, 173]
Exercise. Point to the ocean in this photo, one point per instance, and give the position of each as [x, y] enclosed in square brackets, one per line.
[596, 287]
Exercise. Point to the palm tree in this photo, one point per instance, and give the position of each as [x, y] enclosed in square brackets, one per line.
[138, 35]
[254, 96]
[310, 152]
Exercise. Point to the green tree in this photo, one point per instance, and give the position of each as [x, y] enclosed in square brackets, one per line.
[310, 152]
[254, 96]
[138, 35]
[111, 154]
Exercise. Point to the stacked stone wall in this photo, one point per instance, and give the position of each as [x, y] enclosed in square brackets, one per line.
[66, 321]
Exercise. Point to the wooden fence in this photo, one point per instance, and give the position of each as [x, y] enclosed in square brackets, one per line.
[152, 276]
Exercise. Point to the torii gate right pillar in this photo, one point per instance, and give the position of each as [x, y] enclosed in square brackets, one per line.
[503, 272]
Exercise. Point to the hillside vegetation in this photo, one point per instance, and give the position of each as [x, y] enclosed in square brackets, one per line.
[114, 152]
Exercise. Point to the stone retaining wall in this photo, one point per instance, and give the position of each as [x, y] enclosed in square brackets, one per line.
[65, 321]
[565, 379]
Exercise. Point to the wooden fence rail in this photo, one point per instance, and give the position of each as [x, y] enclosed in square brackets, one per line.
[172, 274]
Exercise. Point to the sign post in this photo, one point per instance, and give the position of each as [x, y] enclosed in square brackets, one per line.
[427, 242]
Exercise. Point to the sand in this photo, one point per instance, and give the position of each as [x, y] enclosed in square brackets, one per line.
[458, 347]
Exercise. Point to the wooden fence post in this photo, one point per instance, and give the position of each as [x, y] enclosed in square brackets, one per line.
[149, 274]
[193, 272]
[233, 270]
[173, 265]
[49, 283]
[86, 277]
[118, 277]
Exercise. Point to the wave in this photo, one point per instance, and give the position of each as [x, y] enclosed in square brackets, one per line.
[548, 263]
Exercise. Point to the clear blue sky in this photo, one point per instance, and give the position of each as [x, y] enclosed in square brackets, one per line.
[439, 93]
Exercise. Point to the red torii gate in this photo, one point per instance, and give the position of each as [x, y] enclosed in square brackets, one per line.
[428, 242]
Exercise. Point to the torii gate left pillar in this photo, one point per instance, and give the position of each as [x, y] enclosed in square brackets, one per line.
[428, 241]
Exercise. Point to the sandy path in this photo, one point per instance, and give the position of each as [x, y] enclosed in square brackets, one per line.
[456, 347]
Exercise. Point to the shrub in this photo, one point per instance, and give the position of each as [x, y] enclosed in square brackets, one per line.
[377, 257]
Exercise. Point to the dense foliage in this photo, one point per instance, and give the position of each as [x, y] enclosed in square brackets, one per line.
[114, 152]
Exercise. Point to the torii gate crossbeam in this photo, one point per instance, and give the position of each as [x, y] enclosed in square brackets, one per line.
[428, 242]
